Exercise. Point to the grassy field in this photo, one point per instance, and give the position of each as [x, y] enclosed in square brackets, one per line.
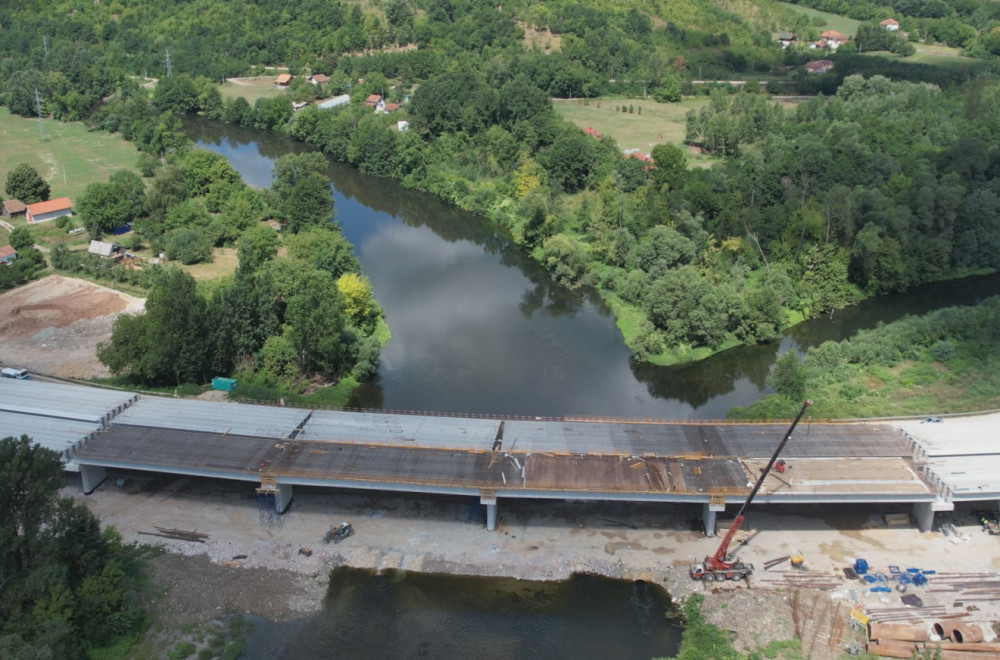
[842, 24]
[650, 124]
[251, 88]
[69, 158]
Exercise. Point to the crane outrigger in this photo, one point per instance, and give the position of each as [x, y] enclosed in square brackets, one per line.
[718, 566]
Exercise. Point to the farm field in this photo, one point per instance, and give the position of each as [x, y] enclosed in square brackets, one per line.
[70, 157]
[650, 123]
[260, 87]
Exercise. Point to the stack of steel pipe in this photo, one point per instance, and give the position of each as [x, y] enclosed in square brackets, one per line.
[959, 641]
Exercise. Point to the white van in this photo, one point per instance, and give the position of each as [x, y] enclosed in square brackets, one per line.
[11, 372]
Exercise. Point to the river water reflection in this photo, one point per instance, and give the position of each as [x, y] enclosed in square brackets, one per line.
[480, 328]
[413, 615]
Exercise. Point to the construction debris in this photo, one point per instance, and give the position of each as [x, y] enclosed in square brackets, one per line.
[178, 535]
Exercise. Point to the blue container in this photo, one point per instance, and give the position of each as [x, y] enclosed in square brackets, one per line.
[860, 566]
[224, 384]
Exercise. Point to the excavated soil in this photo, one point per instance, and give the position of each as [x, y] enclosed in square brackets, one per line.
[53, 325]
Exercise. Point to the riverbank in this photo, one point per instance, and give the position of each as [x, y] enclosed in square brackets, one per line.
[278, 568]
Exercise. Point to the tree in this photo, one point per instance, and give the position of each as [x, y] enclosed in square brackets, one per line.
[323, 248]
[24, 183]
[570, 159]
[302, 190]
[359, 301]
[176, 93]
[256, 246]
[21, 238]
[104, 206]
[788, 377]
[203, 168]
[189, 246]
[169, 343]
[55, 563]
[315, 323]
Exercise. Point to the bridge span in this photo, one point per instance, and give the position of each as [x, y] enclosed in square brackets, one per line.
[695, 462]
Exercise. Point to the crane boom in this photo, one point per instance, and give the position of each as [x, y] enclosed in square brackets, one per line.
[718, 561]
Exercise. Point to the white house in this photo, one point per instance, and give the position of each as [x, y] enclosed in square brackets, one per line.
[890, 24]
[50, 210]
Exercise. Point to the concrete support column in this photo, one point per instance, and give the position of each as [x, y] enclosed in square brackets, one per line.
[489, 500]
[708, 512]
[282, 497]
[923, 512]
[93, 476]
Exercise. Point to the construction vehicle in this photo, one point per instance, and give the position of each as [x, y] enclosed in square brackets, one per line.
[719, 567]
[339, 533]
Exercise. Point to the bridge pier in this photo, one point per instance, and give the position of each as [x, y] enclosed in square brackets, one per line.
[923, 512]
[489, 500]
[708, 512]
[282, 497]
[93, 476]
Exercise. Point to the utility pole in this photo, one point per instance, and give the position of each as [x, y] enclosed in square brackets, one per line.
[170, 72]
[38, 107]
[45, 46]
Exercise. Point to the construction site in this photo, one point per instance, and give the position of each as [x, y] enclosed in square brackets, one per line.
[257, 486]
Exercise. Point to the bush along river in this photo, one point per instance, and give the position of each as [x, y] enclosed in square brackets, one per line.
[478, 327]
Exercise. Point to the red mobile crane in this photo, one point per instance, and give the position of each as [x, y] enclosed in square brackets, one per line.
[718, 567]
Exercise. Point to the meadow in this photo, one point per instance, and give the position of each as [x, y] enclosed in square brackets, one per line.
[69, 157]
[649, 124]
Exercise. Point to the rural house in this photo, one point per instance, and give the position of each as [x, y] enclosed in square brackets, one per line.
[819, 66]
[7, 254]
[106, 250]
[283, 80]
[13, 208]
[890, 25]
[833, 39]
[786, 39]
[319, 79]
[50, 210]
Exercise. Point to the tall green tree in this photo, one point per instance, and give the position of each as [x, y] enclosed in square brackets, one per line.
[63, 588]
[26, 184]
[302, 190]
[170, 343]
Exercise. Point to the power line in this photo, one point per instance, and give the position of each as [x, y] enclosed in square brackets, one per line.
[38, 107]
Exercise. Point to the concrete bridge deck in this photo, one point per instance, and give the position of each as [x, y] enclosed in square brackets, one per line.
[697, 462]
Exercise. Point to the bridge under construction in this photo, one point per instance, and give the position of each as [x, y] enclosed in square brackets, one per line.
[695, 462]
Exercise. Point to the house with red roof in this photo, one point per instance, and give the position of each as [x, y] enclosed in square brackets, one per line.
[319, 79]
[7, 254]
[819, 66]
[13, 208]
[50, 210]
[833, 39]
[283, 80]
[890, 24]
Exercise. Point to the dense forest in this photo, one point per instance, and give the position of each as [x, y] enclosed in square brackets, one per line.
[877, 184]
